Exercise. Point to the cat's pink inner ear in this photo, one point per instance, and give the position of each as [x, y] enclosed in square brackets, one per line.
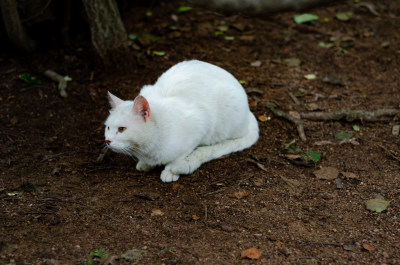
[141, 107]
[114, 100]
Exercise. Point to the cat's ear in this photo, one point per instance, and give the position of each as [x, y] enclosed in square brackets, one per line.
[141, 107]
[114, 101]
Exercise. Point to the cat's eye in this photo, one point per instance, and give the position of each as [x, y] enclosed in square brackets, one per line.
[121, 129]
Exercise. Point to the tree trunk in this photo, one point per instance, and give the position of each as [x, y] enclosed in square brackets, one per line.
[12, 23]
[257, 7]
[108, 33]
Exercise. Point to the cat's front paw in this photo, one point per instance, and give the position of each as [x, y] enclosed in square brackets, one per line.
[141, 166]
[168, 176]
[184, 166]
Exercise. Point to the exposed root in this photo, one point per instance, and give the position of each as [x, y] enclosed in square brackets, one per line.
[297, 122]
[350, 115]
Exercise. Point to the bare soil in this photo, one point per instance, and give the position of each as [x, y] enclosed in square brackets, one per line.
[58, 202]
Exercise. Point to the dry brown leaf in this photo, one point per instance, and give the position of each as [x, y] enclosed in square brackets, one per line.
[176, 186]
[327, 173]
[251, 253]
[156, 212]
[293, 157]
[253, 104]
[258, 182]
[263, 118]
[368, 247]
[323, 143]
[239, 194]
[195, 217]
[349, 175]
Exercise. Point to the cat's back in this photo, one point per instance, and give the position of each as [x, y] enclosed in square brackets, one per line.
[193, 78]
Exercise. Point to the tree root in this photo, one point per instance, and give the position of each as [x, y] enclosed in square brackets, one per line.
[297, 122]
[350, 115]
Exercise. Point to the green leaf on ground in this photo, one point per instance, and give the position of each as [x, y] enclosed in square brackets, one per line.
[242, 82]
[304, 18]
[356, 128]
[325, 45]
[344, 16]
[343, 136]
[219, 33]
[132, 36]
[159, 53]
[377, 205]
[100, 253]
[223, 28]
[292, 148]
[183, 9]
[315, 156]
[310, 76]
[29, 79]
[299, 95]
[229, 37]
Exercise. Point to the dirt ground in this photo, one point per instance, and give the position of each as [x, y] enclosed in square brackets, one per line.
[60, 205]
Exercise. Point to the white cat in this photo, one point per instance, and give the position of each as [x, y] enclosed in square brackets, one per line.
[194, 113]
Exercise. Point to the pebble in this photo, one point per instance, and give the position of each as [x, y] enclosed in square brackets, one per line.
[396, 129]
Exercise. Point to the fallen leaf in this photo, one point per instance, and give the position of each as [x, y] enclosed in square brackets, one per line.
[327, 173]
[258, 182]
[304, 18]
[183, 9]
[396, 130]
[176, 186]
[292, 148]
[349, 141]
[294, 185]
[251, 253]
[322, 143]
[229, 37]
[343, 136]
[263, 118]
[159, 53]
[368, 247]
[349, 175]
[239, 194]
[315, 156]
[350, 248]
[195, 217]
[377, 205]
[356, 128]
[14, 120]
[253, 104]
[256, 64]
[156, 212]
[344, 16]
[261, 166]
[292, 62]
[310, 76]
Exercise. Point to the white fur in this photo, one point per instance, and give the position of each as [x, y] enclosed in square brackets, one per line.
[198, 112]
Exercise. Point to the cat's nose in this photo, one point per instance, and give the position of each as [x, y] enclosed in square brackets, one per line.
[108, 142]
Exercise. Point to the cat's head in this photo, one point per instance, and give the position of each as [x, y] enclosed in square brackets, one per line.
[125, 127]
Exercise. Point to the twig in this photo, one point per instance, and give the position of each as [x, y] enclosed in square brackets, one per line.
[350, 115]
[389, 152]
[297, 122]
[205, 212]
[62, 81]
[295, 100]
